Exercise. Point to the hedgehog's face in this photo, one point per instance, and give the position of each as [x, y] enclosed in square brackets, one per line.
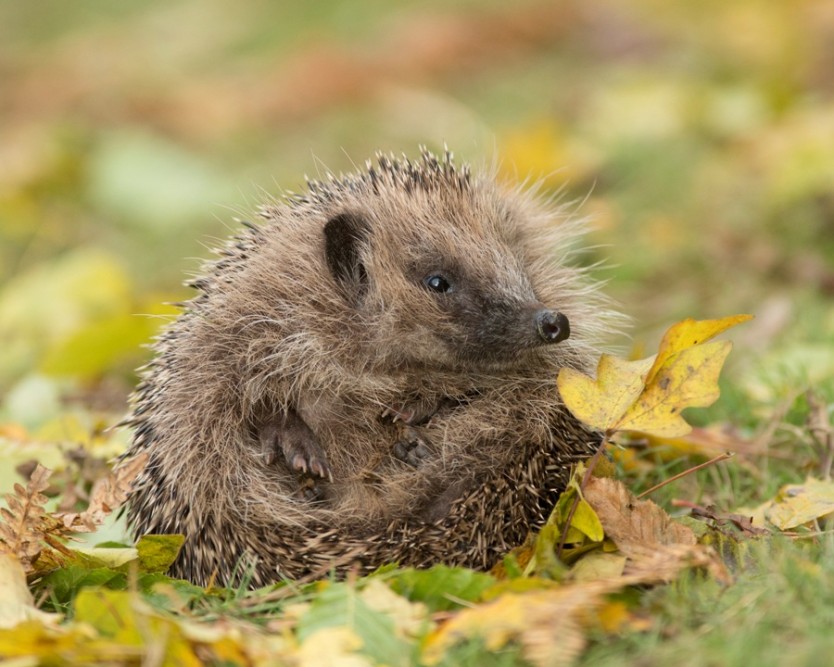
[446, 297]
[485, 319]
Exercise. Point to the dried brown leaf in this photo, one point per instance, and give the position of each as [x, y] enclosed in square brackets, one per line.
[626, 519]
[27, 528]
[657, 547]
[718, 519]
[107, 495]
[656, 564]
[26, 521]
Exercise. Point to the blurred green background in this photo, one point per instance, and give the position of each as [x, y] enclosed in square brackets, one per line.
[697, 137]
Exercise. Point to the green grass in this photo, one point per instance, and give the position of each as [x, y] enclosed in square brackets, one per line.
[779, 612]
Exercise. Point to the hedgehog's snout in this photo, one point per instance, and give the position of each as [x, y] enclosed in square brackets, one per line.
[552, 327]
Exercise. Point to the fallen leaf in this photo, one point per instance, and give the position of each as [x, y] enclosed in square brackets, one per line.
[127, 620]
[626, 519]
[662, 563]
[441, 587]
[16, 602]
[598, 565]
[26, 523]
[332, 647]
[546, 623]
[742, 522]
[158, 552]
[798, 504]
[586, 521]
[658, 548]
[340, 605]
[107, 495]
[615, 617]
[409, 617]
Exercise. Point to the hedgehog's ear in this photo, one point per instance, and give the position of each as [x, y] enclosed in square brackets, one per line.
[344, 237]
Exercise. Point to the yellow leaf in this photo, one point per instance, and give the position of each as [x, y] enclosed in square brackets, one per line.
[615, 617]
[332, 647]
[600, 403]
[688, 378]
[16, 602]
[546, 623]
[648, 395]
[113, 558]
[586, 521]
[798, 504]
[33, 639]
[689, 333]
[409, 618]
[598, 565]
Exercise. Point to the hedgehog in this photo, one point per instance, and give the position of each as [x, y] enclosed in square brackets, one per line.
[367, 375]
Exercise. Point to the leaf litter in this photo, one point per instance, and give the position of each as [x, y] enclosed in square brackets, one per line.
[545, 599]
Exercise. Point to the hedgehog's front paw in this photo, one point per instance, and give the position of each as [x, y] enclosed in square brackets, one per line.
[289, 436]
[413, 447]
[412, 413]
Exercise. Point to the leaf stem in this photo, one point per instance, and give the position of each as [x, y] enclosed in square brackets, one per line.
[591, 464]
[689, 471]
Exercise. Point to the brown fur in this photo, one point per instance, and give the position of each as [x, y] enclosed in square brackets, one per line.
[338, 331]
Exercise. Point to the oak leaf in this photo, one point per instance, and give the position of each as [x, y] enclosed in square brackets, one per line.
[688, 333]
[648, 395]
[601, 402]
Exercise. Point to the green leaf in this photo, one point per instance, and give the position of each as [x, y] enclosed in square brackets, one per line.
[65, 583]
[166, 593]
[158, 552]
[340, 606]
[547, 564]
[124, 618]
[441, 588]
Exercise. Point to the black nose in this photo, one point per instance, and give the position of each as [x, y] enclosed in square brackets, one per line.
[552, 327]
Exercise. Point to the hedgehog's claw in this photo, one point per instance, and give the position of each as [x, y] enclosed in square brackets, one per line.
[411, 413]
[289, 435]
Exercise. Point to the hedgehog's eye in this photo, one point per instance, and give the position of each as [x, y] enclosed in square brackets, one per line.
[437, 283]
